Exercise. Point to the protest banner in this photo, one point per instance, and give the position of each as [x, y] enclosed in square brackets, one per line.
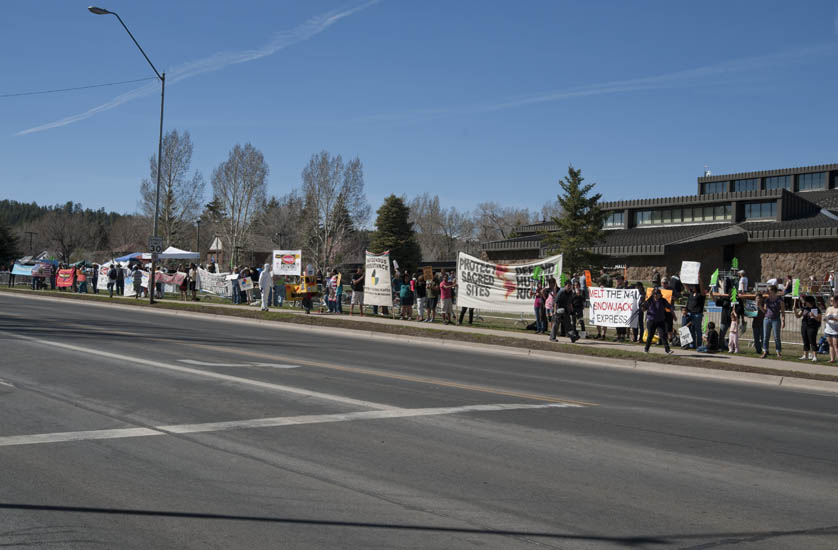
[287, 262]
[689, 272]
[65, 278]
[245, 283]
[428, 272]
[501, 288]
[377, 285]
[613, 307]
[214, 283]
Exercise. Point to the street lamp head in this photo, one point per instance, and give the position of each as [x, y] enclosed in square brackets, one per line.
[98, 11]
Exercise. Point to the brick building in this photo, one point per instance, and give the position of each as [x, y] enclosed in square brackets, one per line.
[776, 222]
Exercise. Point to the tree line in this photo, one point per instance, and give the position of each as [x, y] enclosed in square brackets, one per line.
[327, 215]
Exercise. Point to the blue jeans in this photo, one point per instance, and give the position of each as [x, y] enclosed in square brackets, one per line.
[540, 321]
[237, 293]
[696, 319]
[767, 326]
[278, 295]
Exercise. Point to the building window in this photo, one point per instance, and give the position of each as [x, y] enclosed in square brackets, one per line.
[760, 210]
[714, 187]
[746, 185]
[807, 182]
[614, 219]
[643, 217]
[669, 216]
[778, 182]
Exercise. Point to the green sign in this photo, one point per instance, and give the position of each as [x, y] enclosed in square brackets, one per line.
[734, 296]
[795, 290]
[563, 278]
[704, 324]
[714, 278]
[536, 273]
[734, 263]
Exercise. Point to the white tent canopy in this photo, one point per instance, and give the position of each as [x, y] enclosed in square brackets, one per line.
[173, 253]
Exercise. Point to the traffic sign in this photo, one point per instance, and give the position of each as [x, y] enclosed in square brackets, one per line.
[155, 245]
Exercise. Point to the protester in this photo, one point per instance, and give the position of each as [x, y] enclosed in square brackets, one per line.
[446, 294]
[331, 292]
[577, 316]
[742, 287]
[95, 278]
[538, 308]
[655, 308]
[712, 340]
[265, 284]
[339, 293]
[637, 329]
[433, 298]
[810, 322]
[81, 278]
[193, 281]
[685, 322]
[421, 298]
[278, 290]
[695, 306]
[757, 323]
[137, 278]
[733, 335]
[237, 293]
[184, 284]
[357, 284]
[775, 319]
[111, 279]
[831, 330]
[563, 303]
[120, 281]
[406, 298]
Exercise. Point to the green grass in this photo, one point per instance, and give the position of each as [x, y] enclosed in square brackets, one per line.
[784, 367]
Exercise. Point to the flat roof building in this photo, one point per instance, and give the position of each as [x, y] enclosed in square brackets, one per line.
[776, 222]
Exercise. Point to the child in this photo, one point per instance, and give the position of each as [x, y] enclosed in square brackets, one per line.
[733, 335]
[712, 339]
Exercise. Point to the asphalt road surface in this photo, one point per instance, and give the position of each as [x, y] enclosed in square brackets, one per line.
[129, 429]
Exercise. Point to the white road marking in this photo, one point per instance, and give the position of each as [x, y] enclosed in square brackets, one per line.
[16, 440]
[248, 364]
[122, 359]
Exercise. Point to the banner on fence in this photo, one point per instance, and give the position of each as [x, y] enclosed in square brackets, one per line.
[65, 278]
[377, 285]
[689, 272]
[214, 283]
[613, 307]
[287, 262]
[502, 288]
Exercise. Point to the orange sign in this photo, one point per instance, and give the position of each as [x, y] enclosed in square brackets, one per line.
[588, 282]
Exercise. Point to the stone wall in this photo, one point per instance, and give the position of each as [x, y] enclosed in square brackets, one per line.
[800, 259]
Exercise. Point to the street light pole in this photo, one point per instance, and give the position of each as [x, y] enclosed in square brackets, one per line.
[151, 281]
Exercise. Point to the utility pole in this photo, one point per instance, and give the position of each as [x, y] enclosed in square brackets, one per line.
[30, 233]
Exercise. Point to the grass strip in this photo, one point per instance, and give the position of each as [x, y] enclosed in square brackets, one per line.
[430, 332]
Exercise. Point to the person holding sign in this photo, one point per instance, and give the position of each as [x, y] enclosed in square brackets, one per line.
[810, 323]
[775, 319]
[563, 306]
[695, 306]
[831, 330]
[655, 308]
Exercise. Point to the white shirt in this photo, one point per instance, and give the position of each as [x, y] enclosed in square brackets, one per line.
[743, 284]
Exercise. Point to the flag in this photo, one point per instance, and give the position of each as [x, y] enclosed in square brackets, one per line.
[734, 263]
[714, 278]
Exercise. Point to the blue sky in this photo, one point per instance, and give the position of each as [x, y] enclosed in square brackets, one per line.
[471, 100]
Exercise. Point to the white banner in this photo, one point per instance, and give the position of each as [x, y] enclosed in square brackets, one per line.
[614, 307]
[689, 272]
[503, 288]
[287, 262]
[214, 283]
[377, 288]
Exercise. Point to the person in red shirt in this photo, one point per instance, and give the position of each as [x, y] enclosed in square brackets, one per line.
[446, 294]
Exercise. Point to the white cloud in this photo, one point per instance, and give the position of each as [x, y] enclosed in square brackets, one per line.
[218, 61]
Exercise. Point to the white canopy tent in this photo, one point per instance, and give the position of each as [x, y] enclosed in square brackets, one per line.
[173, 253]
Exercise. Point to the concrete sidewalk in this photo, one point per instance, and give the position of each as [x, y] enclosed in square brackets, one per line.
[820, 367]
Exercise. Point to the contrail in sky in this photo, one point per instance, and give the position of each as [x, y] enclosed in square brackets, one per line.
[218, 61]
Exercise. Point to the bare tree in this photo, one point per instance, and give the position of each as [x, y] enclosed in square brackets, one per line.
[238, 186]
[494, 222]
[281, 220]
[441, 233]
[335, 206]
[67, 231]
[128, 234]
[181, 196]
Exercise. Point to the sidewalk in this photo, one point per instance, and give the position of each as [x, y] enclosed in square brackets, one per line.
[821, 367]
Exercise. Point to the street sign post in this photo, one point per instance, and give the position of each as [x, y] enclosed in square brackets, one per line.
[155, 245]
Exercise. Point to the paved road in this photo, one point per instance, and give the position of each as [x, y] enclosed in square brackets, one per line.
[129, 429]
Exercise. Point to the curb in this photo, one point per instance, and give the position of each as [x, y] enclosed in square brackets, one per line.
[779, 381]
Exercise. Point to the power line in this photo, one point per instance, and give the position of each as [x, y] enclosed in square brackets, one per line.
[78, 88]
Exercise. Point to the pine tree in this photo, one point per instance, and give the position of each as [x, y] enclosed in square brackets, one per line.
[395, 233]
[8, 245]
[579, 226]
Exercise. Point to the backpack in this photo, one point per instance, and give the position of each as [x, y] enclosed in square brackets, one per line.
[823, 345]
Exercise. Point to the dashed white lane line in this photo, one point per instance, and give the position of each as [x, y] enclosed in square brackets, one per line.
[90, 435]
[122, 359]
[248, 364]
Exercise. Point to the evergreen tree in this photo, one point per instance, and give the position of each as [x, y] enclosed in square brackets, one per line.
[8, 245]
[395, 233]
[579, 227]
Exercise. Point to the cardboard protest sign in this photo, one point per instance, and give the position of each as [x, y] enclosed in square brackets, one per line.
[734, 296]
[428, 272]
[714, 278]
[245, 283]
[666, 293]
[496, 287]
[614, 307]
[685, 335]
[734, 263]
[689, 272]
[287, 262]
[588, 277]
[377, 281]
